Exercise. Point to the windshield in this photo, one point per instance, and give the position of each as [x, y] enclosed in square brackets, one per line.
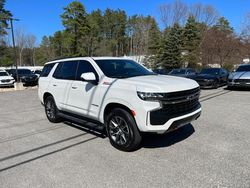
[4, 74]
[212, 71]
[24, 71]
[37, 72]
[243, 68]
[122, 68]
[178, 71]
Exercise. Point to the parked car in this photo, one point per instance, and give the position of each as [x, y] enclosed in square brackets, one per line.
[120, 94]
[240, 78]
[211, 77]
[25, 76]
[185, 72]
[6, 79]
[37, 72]
[161, 71]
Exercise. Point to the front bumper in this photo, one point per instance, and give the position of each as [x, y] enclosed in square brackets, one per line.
[242, 84]
[6, 84]
[206, 83]
[174, 123]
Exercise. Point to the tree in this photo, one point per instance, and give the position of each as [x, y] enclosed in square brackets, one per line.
[172, 48]
[21, 42]
[220, 45]
[4, 51]
[191, 42]
[205, 14]
[172, 13]
[30, 45]
[4, 16]
[74, 20]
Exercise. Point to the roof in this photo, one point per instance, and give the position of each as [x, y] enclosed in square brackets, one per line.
[86, 58]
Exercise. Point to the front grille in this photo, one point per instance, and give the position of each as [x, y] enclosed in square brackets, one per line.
[242, 80]
[178, 104]
[5, 81]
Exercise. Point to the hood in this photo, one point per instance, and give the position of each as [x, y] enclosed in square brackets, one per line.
[160, 83]
[205, 76]
[6, 78]
[27, 75]
[239, 75]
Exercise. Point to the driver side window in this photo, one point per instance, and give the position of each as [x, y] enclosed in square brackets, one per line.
[84, 67]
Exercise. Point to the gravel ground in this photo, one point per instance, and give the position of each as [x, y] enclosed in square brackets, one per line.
[213, 151]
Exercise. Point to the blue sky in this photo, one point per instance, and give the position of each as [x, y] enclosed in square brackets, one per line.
[42, 17]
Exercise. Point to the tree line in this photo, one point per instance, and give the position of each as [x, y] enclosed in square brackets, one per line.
[193, 36]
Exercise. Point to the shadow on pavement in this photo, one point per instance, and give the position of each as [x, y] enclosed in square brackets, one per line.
[168, 139]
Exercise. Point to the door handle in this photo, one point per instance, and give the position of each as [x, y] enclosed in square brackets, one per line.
[54, 85]
[73, 87]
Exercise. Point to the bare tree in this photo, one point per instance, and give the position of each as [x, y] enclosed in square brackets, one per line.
[177, 12]
[206, 14]
[30, 44]
[21, 43]
[172, 13]
[221, 48]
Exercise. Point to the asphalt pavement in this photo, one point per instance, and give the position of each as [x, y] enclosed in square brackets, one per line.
[213, 151]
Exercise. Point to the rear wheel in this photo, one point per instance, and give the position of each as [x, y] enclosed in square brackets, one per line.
[122, 130]
[51, 110]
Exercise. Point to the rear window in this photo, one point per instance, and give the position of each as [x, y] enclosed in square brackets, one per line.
[46, 70]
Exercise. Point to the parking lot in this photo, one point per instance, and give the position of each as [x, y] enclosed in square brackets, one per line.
[213, 151]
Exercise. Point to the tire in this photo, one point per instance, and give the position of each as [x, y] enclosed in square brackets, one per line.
[51, 110]
[122, 130]
[216, 84]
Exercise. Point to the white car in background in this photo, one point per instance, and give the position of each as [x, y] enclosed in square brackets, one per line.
[240, 78]
[6, 79]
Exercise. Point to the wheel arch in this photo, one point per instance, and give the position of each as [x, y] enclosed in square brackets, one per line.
[45, 95]
[110, 106]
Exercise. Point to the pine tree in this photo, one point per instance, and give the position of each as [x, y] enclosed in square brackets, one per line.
[4, 16]
[171, 50]
[74, 20]
[154, 37]
[191, 42]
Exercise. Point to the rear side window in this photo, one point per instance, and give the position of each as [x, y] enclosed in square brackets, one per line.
[84, 67]
[46, 70]
[66, 70]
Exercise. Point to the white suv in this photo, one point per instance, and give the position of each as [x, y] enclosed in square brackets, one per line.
[120, 94]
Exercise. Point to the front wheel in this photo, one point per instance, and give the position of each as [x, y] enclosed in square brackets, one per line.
[122, 130]
[51, 110]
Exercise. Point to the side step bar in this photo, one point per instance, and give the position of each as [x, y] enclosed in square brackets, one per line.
[83, 121]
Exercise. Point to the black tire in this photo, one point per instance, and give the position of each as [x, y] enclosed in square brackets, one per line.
[122, 130]
[216, 84]
[51, 110]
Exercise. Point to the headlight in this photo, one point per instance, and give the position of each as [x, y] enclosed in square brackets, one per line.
[150, 96]
[209, 80]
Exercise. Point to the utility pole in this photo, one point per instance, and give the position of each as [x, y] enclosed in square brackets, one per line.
[14, 46]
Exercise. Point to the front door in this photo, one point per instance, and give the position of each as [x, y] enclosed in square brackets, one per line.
[81, 93]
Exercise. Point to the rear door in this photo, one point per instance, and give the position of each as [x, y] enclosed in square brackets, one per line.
[81, 93]
[63, 76]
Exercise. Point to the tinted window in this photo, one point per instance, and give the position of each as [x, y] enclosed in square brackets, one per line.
[24, 71]
[46, 70]
[4, 74]
[243, 68]
[213, 71]
[66, 70]
[119, 68]
[178, 71]
[83, 67]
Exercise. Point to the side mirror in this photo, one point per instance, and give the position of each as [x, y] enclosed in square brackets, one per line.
[89, 77]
